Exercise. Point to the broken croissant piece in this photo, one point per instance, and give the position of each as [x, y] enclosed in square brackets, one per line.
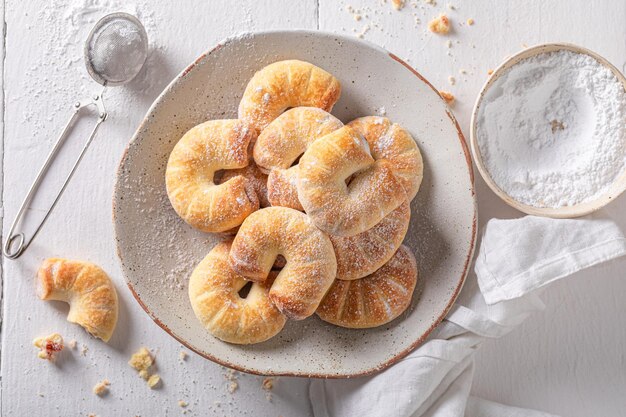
[86, 288]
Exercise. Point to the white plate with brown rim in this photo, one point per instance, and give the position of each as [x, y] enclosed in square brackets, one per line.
[577, 210]
[158, 251]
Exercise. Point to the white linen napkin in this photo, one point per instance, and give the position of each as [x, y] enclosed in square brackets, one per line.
[516, 257]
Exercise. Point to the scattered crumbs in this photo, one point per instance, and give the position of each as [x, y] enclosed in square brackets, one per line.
[83, 350]
[363, 31]
[101, 388]
[490, 71]
[232, 387]
[397, 4]
[381, 111]
[182, 355]
[182, 403]
[431, 2]
[448, 97]
[463, 71]
[72, 344]
[268, 383]
[449, 44]
[451, 80]
[439, 25]
[470, 22]
[141, 360]
[49, 346]
[357, 17]
[154, 381]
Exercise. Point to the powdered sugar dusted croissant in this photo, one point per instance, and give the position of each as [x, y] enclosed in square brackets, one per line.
[362, 254]
[214, 294]
[86, 288]
[311, 265]
[391, 142]
[280, 145]
[374, 300]
[285, 84]
[373, 190]
[209, 147]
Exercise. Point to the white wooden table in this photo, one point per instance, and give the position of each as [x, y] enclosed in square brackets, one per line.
[568, 360]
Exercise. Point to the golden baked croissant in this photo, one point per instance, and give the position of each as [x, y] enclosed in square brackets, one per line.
[374, 300]
[214, 292]
[280, 145]
[285, 84]
[372, 193]
[311, 265]
[86, 288]
[391, 142]
[362, 254]
[205, 149]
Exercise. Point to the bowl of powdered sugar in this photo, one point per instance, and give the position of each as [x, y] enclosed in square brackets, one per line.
[549, 131]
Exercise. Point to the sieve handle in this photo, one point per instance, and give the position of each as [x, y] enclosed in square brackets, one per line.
[16, 243]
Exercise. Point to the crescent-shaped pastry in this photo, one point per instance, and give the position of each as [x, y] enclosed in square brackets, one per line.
[341, 209]
[362, 254]
[205, 149]
[374, 300]
[391, 142]
[214, 292]
[282, 142]
[86, 288]
[285, 84]
[310, 259]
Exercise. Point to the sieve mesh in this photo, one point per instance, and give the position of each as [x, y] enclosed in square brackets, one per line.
[116, 49]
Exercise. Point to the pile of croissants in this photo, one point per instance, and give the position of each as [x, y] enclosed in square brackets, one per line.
[318, 209]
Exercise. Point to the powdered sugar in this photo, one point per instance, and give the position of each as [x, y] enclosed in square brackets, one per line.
[551, 130]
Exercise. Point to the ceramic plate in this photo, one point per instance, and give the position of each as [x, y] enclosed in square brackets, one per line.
[158, 251]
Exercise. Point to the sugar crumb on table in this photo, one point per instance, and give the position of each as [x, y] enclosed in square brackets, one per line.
[447, 96]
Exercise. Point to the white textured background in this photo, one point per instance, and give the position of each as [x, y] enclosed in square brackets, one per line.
[567, 360]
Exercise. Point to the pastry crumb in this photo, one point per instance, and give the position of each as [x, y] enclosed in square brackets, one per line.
[490, 71]
[182, 403]
[470, 22]
[154, 381]
[439, 25]
[83, 350]
[431, 2]
[141, 360]
[357, 17]
[101, 388]
[72, 344]
[451, 80]
[182, 355]
[449, 44]
[232, 387]
[397, 4]
[144, 374]
[463, 71]
[49, 346]
[451, 7]
[268, 383]
[447, 96]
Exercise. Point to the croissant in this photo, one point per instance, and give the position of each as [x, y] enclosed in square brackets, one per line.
[285, 84]
[205, 149]
[391, 142]
[373, 190]
[280, 145]
[310, 259]
[374, 300]
[214, 292]
[362, 254]
[86, 288]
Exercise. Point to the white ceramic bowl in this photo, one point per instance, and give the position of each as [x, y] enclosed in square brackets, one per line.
[618, 186]
[158, 251]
